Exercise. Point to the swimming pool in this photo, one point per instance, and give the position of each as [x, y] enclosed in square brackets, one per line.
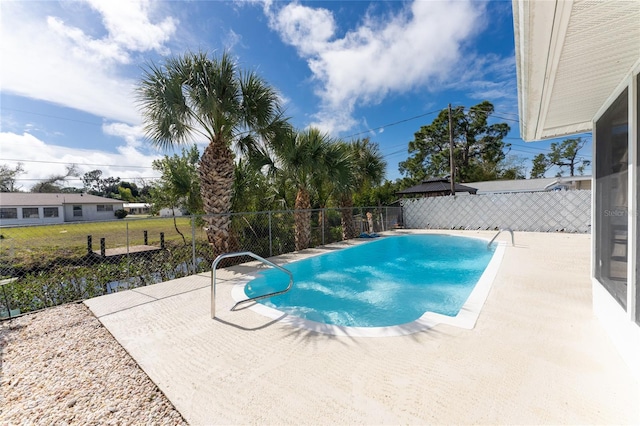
[391, 285]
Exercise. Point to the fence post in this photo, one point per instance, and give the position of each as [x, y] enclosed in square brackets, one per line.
[146, 238]
[386, 218]
[162, 240]
[322, 223]
[6, 299]
[89, 244]
[103, 247]
[193, 243]
[270, 240]
[128, 257]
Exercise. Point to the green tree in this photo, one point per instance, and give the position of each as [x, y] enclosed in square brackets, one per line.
[179, 184]
[125, 194]
[366, 169]
[250, 188]
[478, 146]
[95, 184]
[564, 154]
[196, 95]
[8, 177]
[132, 187]
[300, 159]
[384, 194]
[540, 166]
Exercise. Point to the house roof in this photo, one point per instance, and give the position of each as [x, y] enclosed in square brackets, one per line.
[518, 185]
[38, 199]
[523, 185]
[436, 185]
[570, 57]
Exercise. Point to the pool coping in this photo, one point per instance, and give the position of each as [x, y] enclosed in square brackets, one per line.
[537, 354]
[466, 317]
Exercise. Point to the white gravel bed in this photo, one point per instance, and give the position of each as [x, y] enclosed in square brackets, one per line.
[61, 366]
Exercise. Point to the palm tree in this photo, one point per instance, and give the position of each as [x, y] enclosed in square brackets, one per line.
[367, 168]
[304, 158]
[193, 95]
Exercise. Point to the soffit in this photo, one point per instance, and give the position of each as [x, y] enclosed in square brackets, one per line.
[571, 56]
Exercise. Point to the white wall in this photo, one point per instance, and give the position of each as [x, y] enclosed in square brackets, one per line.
[166, 212]
[89, 213]
[40, 220]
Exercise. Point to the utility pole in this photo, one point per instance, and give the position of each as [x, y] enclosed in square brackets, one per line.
[452, 173]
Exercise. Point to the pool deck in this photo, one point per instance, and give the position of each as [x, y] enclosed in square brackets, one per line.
[537, 354]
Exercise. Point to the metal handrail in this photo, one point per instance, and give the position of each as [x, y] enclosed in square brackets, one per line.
[496, 236]
[255, 256]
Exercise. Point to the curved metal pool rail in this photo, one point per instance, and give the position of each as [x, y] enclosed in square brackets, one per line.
[255, 256]
[496, 236]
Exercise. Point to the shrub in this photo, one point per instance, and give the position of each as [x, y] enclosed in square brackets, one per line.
[120, 213]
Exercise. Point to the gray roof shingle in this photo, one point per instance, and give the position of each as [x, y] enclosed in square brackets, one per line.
[37, 199]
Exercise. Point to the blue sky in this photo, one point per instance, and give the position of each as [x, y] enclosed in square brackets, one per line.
[352, 68]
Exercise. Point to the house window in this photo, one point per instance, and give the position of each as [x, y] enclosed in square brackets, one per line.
[77, 211]
[611, 179]
[50, 211]
[8, 213]
[105, 207]
[30, 213]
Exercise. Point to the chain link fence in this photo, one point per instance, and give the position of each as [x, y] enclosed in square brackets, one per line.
[48, 265]
[554, 211]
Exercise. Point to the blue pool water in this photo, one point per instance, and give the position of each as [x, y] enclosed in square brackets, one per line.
[389, 281]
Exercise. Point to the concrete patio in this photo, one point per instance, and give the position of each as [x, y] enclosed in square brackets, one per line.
[537, 354]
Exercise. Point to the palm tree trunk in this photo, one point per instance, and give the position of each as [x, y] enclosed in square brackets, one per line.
[346, 217]
[302, 219]
[216, 185]
[324, 224]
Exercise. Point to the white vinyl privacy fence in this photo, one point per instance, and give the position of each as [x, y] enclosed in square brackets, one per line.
[555, 211]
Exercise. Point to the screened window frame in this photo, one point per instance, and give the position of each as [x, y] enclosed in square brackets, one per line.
[104, 207]
[30, 213]
[8, 212]
[53, 212]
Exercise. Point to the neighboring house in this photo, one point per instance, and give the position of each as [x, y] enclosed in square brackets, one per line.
[137, 208]
[532, 185]
[145, 208]
[26, 208]
[169, 212]
[434, 187]
[578, 70]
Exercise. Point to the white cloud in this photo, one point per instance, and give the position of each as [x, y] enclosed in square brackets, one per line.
[47, 59]
[133, 135]
[84, 48]
[410, 50]
[129, 25]
[308, 29]
[232, 39]
[46, 160]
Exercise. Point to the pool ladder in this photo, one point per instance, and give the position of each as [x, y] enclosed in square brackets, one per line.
[496, 236]
[255, 256]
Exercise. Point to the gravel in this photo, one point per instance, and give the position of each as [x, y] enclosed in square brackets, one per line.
[61, 366]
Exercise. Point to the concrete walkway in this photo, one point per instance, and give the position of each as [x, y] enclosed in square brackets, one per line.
[537, 354]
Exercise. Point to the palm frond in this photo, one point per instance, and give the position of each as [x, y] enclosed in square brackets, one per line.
[164, 108]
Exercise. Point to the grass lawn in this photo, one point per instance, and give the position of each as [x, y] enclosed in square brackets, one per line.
[72, 235]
